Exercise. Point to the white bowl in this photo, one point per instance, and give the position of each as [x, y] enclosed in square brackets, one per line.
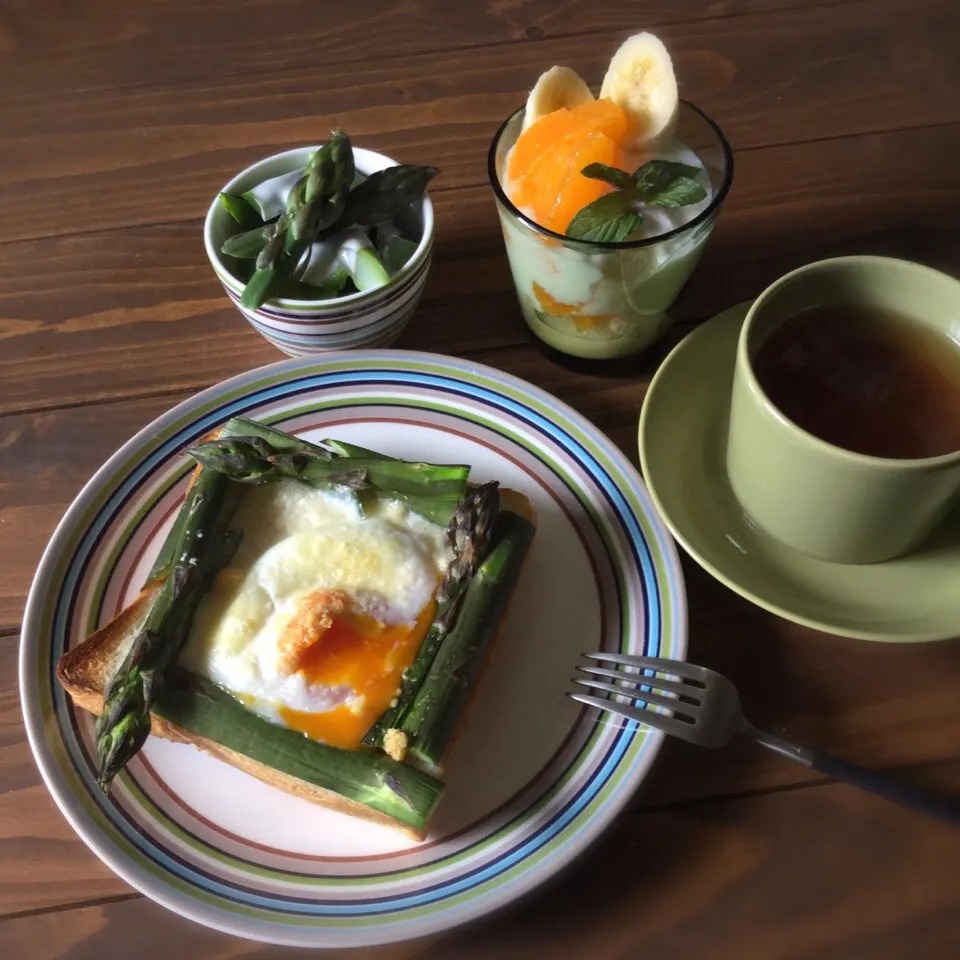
[304, 327]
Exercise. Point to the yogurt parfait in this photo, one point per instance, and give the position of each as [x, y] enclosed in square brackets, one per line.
[606, 202]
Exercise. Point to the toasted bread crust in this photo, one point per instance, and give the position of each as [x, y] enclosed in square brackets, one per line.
[85, 671]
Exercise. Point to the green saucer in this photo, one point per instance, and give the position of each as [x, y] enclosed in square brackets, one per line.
[683, 429]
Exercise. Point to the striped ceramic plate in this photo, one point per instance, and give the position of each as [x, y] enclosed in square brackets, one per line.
[533, 779]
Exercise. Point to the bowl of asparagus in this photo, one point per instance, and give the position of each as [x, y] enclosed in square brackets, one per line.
[324, 248]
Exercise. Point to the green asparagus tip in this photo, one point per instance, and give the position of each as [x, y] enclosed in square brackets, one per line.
[247, 245]
[121, 742]
[242, 459]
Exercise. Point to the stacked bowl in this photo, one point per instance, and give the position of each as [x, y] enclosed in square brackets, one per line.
[372, 318]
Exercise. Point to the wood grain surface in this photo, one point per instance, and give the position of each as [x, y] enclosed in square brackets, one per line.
[155, 153]
[118, 123]
[820, 873]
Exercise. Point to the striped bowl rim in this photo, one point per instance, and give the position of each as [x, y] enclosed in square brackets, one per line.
[367, 161]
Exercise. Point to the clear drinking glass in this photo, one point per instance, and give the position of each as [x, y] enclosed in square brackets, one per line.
[615, 297]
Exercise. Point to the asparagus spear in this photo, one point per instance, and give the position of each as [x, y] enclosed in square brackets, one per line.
[280, 441]
[439, 512]
[296, 197]
[342, 449]
[385, 193]
[358, 256]
[326, 184]
[240, 210]
[125, 721]
[253, 460]
[366, 776]
[436, 511]
[302, 289]
[261, 287]
[247, 245]
[395, 249]
[318, 214]
[334, 163]
[314, 203]
[469, 536]
[273, 268]
[235, 426]
[433, 715]
[269, 256]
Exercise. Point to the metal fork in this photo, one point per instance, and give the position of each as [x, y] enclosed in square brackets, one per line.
[703, 708]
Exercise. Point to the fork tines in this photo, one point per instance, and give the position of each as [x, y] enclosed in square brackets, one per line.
[660, 693]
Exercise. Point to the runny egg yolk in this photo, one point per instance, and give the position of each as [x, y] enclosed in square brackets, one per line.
[369, 657]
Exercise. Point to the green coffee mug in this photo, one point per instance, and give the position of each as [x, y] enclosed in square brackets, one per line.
[815, 497]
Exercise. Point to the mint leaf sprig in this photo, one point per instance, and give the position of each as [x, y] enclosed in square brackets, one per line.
[614, 216]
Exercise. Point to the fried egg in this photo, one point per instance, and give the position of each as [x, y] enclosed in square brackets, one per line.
[321, 609]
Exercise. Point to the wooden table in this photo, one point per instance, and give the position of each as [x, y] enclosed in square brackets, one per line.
[118, 122]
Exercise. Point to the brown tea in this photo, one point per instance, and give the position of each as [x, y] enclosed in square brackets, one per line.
[865, 379]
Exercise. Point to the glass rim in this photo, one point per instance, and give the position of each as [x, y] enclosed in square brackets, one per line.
[596, 246]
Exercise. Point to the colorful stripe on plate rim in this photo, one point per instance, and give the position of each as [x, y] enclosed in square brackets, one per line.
[495, 861]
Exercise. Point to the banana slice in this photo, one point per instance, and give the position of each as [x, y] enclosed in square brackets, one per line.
[641, 82]
[558, 87]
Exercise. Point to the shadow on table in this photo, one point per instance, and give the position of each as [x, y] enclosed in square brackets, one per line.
[617, 874]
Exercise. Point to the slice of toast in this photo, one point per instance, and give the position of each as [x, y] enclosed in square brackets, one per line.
[85, 672]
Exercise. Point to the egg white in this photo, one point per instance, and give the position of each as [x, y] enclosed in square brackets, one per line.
[297, 540]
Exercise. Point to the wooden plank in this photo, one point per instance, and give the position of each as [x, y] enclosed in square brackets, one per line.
[61, 869]
[90, 160]
[32, 829]
[111, 43]
[76, 325]
[817, 874]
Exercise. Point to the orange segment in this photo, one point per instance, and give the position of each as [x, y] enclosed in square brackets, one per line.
[560, 132]
[537, 138]
[539, 190]
[557, 308]
[544, 169]
[555, 188]
[553, 306]
[577, 190]
[602, 115]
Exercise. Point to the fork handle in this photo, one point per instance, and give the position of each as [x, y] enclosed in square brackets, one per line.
[873, 781]
[890, 788]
